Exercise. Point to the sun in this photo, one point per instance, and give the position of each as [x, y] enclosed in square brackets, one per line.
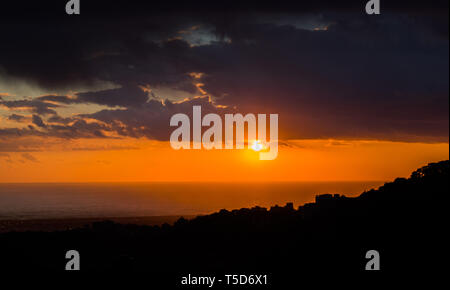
[257, 146]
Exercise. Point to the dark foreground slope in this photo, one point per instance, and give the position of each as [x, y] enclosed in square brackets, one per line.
[402, 220]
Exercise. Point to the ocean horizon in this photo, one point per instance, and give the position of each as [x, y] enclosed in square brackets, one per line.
[26, 201]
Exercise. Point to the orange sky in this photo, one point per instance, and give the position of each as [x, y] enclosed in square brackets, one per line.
[142, 160]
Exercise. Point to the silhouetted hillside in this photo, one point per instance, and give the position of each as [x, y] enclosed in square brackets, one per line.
[402, 220]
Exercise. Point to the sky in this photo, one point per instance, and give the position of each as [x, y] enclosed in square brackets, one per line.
[88, 97]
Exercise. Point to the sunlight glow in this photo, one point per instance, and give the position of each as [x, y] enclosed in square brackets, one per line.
[257, 145]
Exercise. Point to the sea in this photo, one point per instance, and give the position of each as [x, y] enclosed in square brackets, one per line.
[31, 201]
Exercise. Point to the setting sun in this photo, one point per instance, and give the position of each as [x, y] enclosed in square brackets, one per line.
[257, 145]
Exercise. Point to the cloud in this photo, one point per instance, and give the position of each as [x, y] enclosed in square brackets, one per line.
[14, 147]
[33, 105]
[5, 157]
[29, 157]
[359, 78]
[151, 120]
[129, 96]
[19, 118]
[125, 96]
[78, 128]
[38, 121]
[56, 119]
[383, 77]
[57, 99]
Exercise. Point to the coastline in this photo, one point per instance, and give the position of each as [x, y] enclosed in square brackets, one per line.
[49, 225]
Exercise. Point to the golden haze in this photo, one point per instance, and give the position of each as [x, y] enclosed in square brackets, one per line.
[135, 160]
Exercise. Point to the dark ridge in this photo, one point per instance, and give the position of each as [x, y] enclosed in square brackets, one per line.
[402, 220]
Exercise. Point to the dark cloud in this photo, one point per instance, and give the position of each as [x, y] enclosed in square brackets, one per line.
[130, 96]
[107, 148]
[34, 106]
[122, 42]
[18, 118]
[78, 128]
[152, 119]
[38, 121]
[58, 99]
[29, 157]
[355, 79]
[355, 76]
[14, 132]
[59, 120]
